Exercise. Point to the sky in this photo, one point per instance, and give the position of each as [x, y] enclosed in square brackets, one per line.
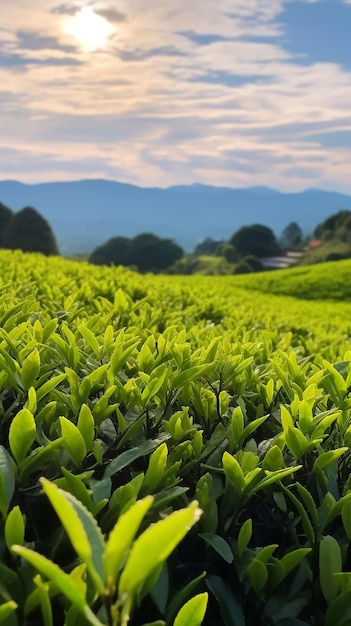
[236, 93]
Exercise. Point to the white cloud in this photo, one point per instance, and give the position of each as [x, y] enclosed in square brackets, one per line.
[156, 107]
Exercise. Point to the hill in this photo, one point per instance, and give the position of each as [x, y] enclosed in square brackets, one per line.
[83, 214]
[325, 281]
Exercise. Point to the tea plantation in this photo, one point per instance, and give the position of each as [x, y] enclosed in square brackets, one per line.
[174, 450]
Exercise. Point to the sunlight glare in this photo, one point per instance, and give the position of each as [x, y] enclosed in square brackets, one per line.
[90, 29]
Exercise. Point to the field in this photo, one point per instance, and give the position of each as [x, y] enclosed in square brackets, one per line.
[174, 450]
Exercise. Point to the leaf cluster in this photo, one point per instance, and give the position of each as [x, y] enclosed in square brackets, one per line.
[171, 452]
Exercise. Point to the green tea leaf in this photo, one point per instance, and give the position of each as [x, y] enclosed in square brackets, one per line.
[258, 574]
[86, 425]
[219, 545]
[157, 466]
[30, 369]
[330, 563]
[65, 583]
[153, 547]
[193, 612]
[244, 536]
[81, 528]
[22, 434]
[73, 441]
[122, 536]
[339, 611]
[14, 528]
[233, 472]
[6, 609]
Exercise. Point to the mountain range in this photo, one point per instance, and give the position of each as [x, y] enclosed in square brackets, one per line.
[85, 213]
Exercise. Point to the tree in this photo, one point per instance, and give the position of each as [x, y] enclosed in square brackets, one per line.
[29, 231]
[254, 263]
[333, 223]
[292, 235]
[5, 217]
[151, 253]
[208, 246]
[115, 251]
[256, 240]
[148, 252]
[229, 253]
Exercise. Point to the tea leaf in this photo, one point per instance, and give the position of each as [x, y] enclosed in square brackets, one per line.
[14, 528]
[330, 563]
[73, 441]
[81, 528]
[193, 612]
[122, 536]
[22, 434]
[219, 545]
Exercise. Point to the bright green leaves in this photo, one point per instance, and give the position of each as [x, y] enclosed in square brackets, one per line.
[153, 547]
[22, 435]
[64, 582]
[73, 440]
[86, 426]
[30, 369]
[122, 536]
[82, 530]
[244, 536]
[125, 562]
[193, 612]
[14, 528]
[157, 466]
[295, 440]
[6, 609]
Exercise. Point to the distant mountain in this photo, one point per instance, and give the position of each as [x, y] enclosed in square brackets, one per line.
[85, 213]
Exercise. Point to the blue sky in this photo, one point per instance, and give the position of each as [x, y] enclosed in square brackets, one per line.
[232, 92]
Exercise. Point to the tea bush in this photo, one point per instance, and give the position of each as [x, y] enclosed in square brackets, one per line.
[173, 450]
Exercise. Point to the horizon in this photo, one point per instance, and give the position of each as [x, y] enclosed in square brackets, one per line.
[178, 185]
[241, 94]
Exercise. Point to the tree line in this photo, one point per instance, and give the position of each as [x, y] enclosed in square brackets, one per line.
[146, 252]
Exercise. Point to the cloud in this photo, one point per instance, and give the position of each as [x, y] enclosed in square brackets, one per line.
[31, 40]
[184, 92]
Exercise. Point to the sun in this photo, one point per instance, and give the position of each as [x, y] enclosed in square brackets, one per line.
[91, 30]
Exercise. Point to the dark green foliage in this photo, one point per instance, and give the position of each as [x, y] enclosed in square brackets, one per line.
[243, 268]
[5, 217]
[254, 263]
[291, 236]
[29, 231]
[147, 252]
[333, 223]
[257, 239]
[208, 246]
[116, 251]
[334, 256]
[229, 253]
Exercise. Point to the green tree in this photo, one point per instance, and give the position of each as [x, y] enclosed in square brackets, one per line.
[291, 236]
[115, 251]
[147, 252]
[242, 268]
[256, 240]
[254, 263]
[333, 223]
[152, 253]
[5, 217]
[208, 246]
[228, 251]
[29, 231]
